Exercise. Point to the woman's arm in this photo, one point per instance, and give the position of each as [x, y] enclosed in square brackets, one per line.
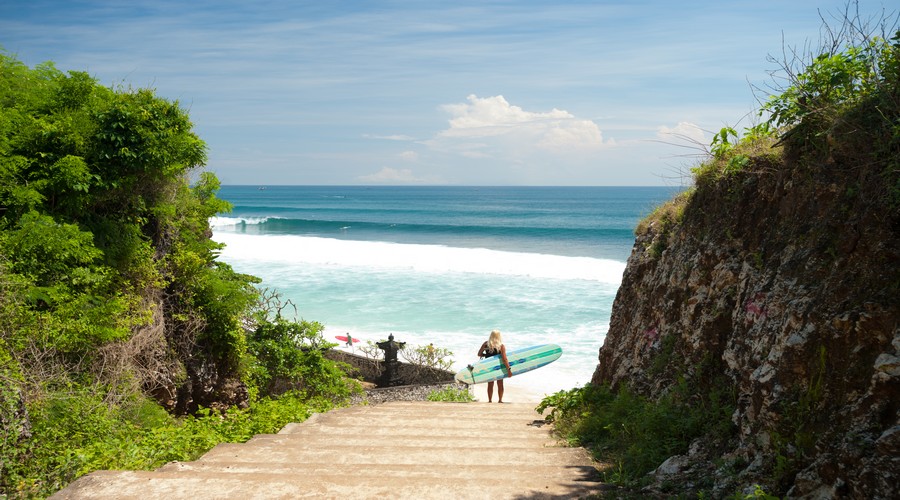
[505, 361]
[481, 349]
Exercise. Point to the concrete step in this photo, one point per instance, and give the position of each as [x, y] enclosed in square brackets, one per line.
[583, 473]
[339, 454]
[140, 485]
[486, 411]
[421, 406]
[444, 410]
[421, 422]
[310, 437]
[377, 434]
[394, 450]
[432, 427]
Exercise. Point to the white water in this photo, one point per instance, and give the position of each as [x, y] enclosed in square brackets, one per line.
[451, 297]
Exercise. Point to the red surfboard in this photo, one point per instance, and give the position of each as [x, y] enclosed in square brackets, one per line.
[344, 339]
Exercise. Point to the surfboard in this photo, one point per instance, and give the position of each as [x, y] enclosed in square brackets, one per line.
[520, 361]
[344, 339]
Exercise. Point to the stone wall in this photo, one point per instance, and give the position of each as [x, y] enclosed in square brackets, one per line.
[419, 381]
[370, 370]
[406, 393]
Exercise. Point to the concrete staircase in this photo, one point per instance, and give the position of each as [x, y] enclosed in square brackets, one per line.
[394, 450]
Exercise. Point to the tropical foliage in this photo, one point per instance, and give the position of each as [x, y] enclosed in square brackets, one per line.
[111, 293]
[633, 434]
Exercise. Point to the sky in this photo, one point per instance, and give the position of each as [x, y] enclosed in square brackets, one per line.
[583, 93]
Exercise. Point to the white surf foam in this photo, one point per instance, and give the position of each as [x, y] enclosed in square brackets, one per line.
[434, 259]
[572, 369]
[223, 222]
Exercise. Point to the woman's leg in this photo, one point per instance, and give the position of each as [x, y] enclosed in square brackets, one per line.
[499, 391]
[491, 391]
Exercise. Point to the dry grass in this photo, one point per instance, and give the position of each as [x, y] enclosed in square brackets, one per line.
[666, 215]
[142, 363]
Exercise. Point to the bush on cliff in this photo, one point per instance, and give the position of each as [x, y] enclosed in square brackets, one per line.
[111, 294]
[632, 435]
[285, 355]
[76, 432]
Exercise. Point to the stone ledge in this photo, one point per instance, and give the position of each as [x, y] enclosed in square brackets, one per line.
[417, 392]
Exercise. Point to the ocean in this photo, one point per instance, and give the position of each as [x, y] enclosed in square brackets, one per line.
[445, 265]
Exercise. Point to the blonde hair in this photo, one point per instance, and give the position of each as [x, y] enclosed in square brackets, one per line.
[495, 340]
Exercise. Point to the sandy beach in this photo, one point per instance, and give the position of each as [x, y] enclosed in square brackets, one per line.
[513, 393]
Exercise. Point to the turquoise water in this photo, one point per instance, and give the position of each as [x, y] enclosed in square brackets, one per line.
[445, 265]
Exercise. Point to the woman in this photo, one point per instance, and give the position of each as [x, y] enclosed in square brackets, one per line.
[491, 347]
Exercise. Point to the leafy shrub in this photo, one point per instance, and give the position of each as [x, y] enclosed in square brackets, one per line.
[14, 424]
[832, 80]
[429, 356]
[103, 240]
[69, 290]
[758, 493]
[287, 354]
[634, 433]
[845, 99]
[452, 395]
[731, 154]
[76, 433]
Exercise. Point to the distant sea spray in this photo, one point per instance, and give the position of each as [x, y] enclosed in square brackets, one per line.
[433, 259]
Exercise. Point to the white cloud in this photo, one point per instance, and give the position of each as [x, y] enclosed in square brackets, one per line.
[395, 137]
[684, 131]
[409, 156]
[494, 115]
[388, 175]
[505, 130]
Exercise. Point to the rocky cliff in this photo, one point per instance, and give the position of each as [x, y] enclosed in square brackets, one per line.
[780, 285]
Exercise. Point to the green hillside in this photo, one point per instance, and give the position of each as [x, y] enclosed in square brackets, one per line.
[115, 313]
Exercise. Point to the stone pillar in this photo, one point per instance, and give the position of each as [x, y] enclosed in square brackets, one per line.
[390, 376]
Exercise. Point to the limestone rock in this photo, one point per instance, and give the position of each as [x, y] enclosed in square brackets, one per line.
[783, 282]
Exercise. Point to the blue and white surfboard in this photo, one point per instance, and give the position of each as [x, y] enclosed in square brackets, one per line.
[520, 361]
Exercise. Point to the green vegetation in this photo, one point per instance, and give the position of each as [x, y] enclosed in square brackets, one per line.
[663, 221]
[428, 356]
[754, 150]
[633, 434]
[758, 494]
[839, 106]
[287, 355]
[834, 83]
[452, 395]
[76, 432]
[112, 299]
[794, 440]
[421, 361]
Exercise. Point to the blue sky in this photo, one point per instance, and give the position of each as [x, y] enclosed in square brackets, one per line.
[428, 92]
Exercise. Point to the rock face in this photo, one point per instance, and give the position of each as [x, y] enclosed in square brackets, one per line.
[781, 283]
